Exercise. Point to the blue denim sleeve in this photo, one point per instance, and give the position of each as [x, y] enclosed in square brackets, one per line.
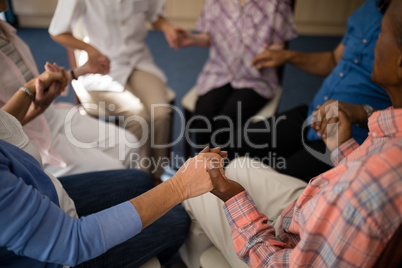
[33, 226]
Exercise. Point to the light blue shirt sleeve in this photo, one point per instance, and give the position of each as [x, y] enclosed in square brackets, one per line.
[33, 226]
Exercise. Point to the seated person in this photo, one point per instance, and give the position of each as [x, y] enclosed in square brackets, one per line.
[39, 221]
[121, 49]
[106, 146]
[343, 217]
[55, 235]
[235, 32]
[348, 68]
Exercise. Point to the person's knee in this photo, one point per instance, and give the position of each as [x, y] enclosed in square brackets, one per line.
[161, 114]
[179, 218]
[232, 169]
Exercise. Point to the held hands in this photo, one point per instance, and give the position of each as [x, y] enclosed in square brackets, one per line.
[187, 39]
[173, 35]
[333, 122]
[193, 179]
[47, 86]
[269, 58]
[97, 62]
[223, 188]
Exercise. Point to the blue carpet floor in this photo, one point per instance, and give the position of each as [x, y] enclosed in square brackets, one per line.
[183, 66]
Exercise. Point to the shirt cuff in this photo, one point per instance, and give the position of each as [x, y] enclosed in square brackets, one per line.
[344, 150]
[119, 223]
[240, 210]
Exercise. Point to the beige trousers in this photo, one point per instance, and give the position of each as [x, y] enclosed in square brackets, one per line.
[272, 192]
[139, 108]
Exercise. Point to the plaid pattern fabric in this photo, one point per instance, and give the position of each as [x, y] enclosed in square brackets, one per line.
[237, 35]
[344, 217]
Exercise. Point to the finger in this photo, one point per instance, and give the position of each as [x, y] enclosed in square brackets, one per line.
[332, 127]
[224, 154]
[39, 87]
[316, 120]
[205, 150]
[216, 150]
[49, 67]
[216, 174]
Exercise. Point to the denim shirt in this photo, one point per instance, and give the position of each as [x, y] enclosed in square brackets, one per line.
[350, 81]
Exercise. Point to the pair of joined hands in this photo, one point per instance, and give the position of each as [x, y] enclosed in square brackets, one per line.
[334, 119]
[46, 87]
[204, 173]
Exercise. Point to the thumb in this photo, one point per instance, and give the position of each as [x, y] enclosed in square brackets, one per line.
[39, 88]
[215, 171]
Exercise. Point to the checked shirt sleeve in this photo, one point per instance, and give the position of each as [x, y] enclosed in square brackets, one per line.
[253, 238]
[343, 151]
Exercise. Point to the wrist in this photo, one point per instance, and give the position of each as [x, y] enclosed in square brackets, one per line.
[289, 56]
[365, 111]
[28, 92]
[176, 188]
[73, 74]
[164, 25]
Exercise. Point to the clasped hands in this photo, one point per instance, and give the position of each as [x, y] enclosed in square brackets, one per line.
[334, 119]
[204, 173]
[46, 87]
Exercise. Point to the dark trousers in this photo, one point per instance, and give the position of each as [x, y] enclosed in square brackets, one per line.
[278, 142]
[222, 110]
[96, 191]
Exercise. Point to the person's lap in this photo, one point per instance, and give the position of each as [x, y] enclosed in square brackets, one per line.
[280, 142]
[271, 191]
[225, 108]
[96, 191]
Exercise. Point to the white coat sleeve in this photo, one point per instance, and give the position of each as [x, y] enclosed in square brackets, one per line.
[66, 16]
[156, 9]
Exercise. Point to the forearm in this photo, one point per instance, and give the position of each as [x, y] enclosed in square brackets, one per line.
[255, 240]
[52, 235]
[19, 103]
[68, 40]
[156, 202]
[201, 40]
[161, 24]
[321, 63]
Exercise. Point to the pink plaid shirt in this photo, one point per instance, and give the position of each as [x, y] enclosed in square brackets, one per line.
[237, 35]
[344, 217]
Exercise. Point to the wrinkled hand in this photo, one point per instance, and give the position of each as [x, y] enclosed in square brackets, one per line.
[224, 188]
[269, 58]
[193, 179]
[45, 96]
[97, 62]
[173, 36]
[48, 77]
[54, 68]
[187, 38]
[333, 123]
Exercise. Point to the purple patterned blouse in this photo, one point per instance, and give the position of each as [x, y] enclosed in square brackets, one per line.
[237, 35]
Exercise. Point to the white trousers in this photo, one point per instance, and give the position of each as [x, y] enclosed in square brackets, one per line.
[87, 144]
[143, 104]
[272, 192]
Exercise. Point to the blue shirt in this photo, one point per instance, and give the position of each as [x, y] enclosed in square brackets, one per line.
[36, 232]
[350, 81]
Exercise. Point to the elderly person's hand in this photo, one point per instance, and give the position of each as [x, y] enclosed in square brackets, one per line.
[49, 77]
[193, 179]
[272, 56]
[333, 122]
[97, 62]
[47, 87]
[223, 187]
